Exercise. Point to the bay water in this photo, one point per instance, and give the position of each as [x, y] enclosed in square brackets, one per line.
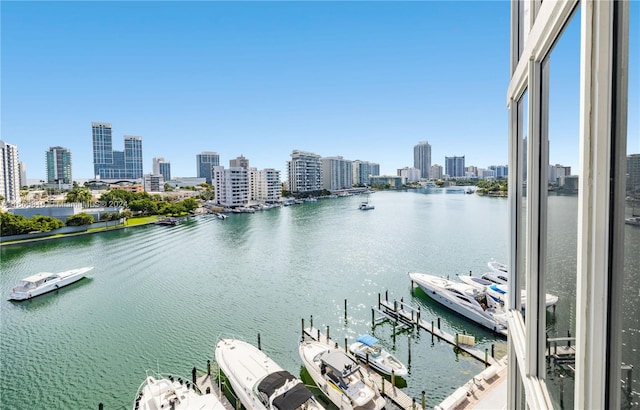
[160, 297]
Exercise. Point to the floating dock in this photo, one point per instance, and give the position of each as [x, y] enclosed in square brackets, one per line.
[387, 389]
[406, 316]
[207, 384]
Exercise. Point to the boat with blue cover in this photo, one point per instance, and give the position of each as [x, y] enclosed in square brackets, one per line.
[367, 349]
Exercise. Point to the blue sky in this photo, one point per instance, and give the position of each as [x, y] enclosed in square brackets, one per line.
[365, 80]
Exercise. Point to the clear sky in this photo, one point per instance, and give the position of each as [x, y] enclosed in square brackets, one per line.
[364, 80]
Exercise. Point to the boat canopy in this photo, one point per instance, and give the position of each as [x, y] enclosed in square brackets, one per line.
[367, 340]
[340, 362]
[498, 289]
[293, 398]
[274, 381]
[39, 277]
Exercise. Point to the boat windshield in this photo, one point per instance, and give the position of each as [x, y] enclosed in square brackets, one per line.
[26, 285]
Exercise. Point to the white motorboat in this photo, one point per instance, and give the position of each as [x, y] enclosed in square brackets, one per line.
[499, 291]
[258, 381]
[464, 299]
[44, 282]
[367, 349]
[168, 392]
[498, 267]
[634, 220]
[365, 206]
[339, 377]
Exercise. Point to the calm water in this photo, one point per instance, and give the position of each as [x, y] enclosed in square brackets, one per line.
[160, 297]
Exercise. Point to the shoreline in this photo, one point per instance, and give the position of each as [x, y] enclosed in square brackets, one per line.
[70, 235]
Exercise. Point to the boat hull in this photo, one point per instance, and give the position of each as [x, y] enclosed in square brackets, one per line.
[384, 363]
[434, 287]
[70, 277]
[158, 392]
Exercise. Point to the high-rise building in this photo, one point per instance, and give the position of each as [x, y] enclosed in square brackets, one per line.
[153, 183]
[9, 173]
[110, 164]
[558, 171]
[231, 186]
[59, 166]
[363, 171]
[304, 172]
[264, 185]
[454, 166]
[422, 158]
[436, 171]
[336, 173]
[410, 174]
[633, 175]
[162, 167]
[501, 171]
[205, 161]
[241, 162]
[23, 174]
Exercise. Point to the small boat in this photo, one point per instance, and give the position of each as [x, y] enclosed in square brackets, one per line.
[634, 220]
[367, 349]
[167, 221]
[365, 206]
[340, 377]
[499, 291]
[221, 216]
[258, 381]
[160, 392]
[44, 282]
[471, 302]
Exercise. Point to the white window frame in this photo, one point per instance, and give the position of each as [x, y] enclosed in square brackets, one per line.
[535, 27]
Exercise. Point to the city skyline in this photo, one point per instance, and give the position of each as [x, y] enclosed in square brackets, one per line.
[365, 81]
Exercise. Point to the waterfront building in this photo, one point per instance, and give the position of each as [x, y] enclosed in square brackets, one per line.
[113, 165]
[205, 161]
[422, 158]
[486, 173]
[501, 171]
[363, 170]
[471, 172]
[600, 343]
[304, 171]
[454, 166]
[162, 167]
[410, 174]
[63, 211]
[153, 183]
[240, 161]
[9, 173]
[264, 185]
[436, 172]
[337, 173]
[392, 181]
[231, 186]
[633, 175]
[22, 167]
[557, 171]
[59, 166]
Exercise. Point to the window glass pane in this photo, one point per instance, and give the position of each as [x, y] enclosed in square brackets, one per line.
[559, 246]
[630, 366]
[522, 246]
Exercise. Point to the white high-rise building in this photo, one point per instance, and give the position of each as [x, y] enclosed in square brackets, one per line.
[23, 174]
[9, 173]
[264, 185]
[410, 174]
[336, 173]
[304, 172]
[436, 171]
[231, 186]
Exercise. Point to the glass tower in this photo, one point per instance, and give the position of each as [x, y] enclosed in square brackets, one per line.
[59, 165]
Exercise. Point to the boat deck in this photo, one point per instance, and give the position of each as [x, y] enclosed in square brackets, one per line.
[207, 383]
[387, 389]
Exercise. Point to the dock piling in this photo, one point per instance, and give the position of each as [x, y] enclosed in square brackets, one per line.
[311, 322]
[493, 350]
[193, 376]
[424, 400]
[386, 295]
[393, 378]
[378, 300]
[327, 333]
[318, 335]
[438, 323]
[345, 344]
[409, 348]
[100, 406]
[259, 343]
[208, 367]
[373, 313]
[302, 329]
[486, 357]
[413, 404]
[345, 309]
[456, 340]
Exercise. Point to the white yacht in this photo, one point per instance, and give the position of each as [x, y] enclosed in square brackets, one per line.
[258, 381]
[365, 206]
[339, 377]
[464, 299]
[367, 349]
[168, 392]
[498, 267]
[499, 291]
[44, 282]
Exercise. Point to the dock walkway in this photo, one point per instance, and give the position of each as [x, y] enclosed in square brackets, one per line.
[387, 389]
[207, 383]
[406, 316]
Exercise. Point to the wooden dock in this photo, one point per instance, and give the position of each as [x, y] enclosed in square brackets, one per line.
[404, 315]
[387, 389]
[207, 383]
